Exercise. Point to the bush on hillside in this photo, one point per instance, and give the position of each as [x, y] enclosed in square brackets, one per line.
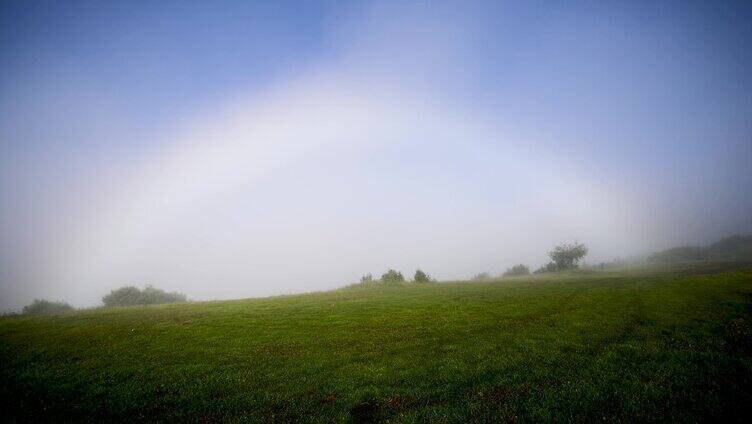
[46, 307]
[368, 278]
[421, 277]
[567, 256]
[549, 267]
[130, 296]
[392, 276]
[516, 270]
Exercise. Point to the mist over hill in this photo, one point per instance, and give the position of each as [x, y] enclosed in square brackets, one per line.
[733, 248]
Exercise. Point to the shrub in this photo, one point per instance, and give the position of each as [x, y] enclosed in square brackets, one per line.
[392, 276]
[482, 276]
[516, 270]
[549, 267]
[567, 256]
[421, 277]
[130, 295]
[46, 307]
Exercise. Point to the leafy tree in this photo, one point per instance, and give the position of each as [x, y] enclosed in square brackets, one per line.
[516, 270]
[421, 277]
[46, 307]
[567, 255]
[392, 276]
[368, 278]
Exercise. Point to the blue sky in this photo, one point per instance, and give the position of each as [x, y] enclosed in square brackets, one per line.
[276, 147]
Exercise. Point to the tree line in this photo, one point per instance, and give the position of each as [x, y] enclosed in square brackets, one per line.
[124, 296]
[564, 256]
[393, 276]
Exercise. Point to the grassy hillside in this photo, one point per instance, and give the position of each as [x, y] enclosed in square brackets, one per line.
[649, 345]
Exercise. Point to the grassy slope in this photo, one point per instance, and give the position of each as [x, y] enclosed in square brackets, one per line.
[637, 345]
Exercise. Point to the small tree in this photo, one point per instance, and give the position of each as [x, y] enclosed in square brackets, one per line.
[421, 277]
[517, 270]
[368, 278]
[567, 255]
[392, 276]
[46, 307]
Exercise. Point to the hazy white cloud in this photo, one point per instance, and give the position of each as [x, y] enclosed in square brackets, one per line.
[368, 159]
[322, 179]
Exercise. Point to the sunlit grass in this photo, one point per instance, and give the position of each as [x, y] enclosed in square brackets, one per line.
[666, 343]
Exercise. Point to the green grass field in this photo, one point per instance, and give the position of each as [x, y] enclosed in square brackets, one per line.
[633, 345]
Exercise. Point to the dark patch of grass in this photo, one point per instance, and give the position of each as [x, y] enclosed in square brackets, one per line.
[658, 344]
